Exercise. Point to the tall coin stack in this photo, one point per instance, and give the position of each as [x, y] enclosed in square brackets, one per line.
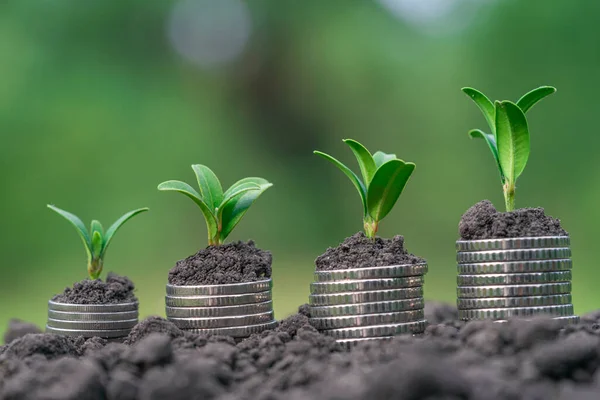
[109, 321]
[517, 277]
[238, 310]
[375, 303]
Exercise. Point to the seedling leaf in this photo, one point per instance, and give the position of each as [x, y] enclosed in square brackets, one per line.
[513, 139]
[381, 158]
[530, 99]
[255, 180]
[79, 226]
[491, 142]
[97, 243]
[365, 160]
[484, 104]
[235, 208]
[386, 186]
[209, 184]
[110, 233]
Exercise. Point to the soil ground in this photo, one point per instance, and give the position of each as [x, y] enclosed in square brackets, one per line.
[229, 263]
[115, 289]
[358, 251]
[452, 360]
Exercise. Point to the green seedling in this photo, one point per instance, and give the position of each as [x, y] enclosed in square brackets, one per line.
[95, 240]
[222, 210]
[384, 177]
[509, 137]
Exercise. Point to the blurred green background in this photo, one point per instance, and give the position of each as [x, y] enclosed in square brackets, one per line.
[102, 100]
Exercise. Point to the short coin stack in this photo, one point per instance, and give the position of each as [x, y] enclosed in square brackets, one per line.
[110, 321]
[238, 310]
[517, 277]
[374, 303]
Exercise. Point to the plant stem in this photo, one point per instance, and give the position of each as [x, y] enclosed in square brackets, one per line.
[509, 196]
[371, 227]
[95, 268]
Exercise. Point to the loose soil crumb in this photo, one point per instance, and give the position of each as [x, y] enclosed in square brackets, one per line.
[358, 251]
[116, 289]
[228, 263]
[478, 360]
[483, 221]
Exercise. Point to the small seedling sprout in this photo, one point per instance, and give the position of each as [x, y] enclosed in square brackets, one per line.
[509, 137]
[222, 210]
[95, 240]
[384, 177]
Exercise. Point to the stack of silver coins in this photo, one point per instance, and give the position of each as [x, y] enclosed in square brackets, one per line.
[237, 310]
[376, 303]
[523, 277]
[109, 321]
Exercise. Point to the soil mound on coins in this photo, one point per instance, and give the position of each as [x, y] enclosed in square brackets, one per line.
[479, 360]
[116, 289]
[358, 251]
[483, 221]
[228, 263]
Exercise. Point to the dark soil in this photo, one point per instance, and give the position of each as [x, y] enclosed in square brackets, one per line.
[483, 221]
[452, 360]
[116, 289]
[228, 263]
[358, 251]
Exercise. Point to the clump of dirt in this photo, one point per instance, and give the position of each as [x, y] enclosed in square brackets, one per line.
[18, 328]
[228, 263]
[358, 251]
[116, 289]
[483, 221]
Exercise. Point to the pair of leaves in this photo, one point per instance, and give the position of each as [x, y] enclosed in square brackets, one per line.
[509, 141]
[222, 210]
[383, 178]
[95, 240]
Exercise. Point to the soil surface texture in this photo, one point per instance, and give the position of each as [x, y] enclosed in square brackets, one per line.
[116, 289]
[483, 221]
[228, 263]
[479, 360]
[358, 251]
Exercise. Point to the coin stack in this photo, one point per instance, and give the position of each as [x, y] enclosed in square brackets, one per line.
[517, 277]
[374, 303]
[109, 321]
[238, 310]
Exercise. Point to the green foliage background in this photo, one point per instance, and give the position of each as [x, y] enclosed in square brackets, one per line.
[97, 108]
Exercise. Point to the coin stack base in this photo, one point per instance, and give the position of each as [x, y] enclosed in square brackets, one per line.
[526, 277]
[238, 310]
[368, 304]
[109, 321]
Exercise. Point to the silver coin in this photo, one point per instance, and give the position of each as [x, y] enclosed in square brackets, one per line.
[377, 330]
[236, 331]
[367, 308]
[99, 308]
[222, 322]
[360, 285]
[118, 333]
[393, 271]
[514, 279]
[350, 321]
[82, 316]
[228, 311]
[504, 313]
[217, 301]
[568, 320]
[364, 297]
[504, 302]
[92, 325]
[220, 290]
[350, 343]
[513, 255]
[514, 290]
[513, 243]
[516, 267]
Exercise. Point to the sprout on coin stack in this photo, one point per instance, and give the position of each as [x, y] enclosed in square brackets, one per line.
[515, 263]
[92, 307]
[370, 288]
[224, 289]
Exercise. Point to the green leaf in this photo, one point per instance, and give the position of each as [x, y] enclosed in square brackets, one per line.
[234, 209]
[491, 142]
[79, 226]
[357, 183]
[255, 180]
[210, 186]
[386, 187]
[240, 189]
[364, 158]
[381, 158]
[97, 244]
[117, 224]
[484, 104]
[530, 99]
[208, 211]
[96, 226]
[513, 139]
